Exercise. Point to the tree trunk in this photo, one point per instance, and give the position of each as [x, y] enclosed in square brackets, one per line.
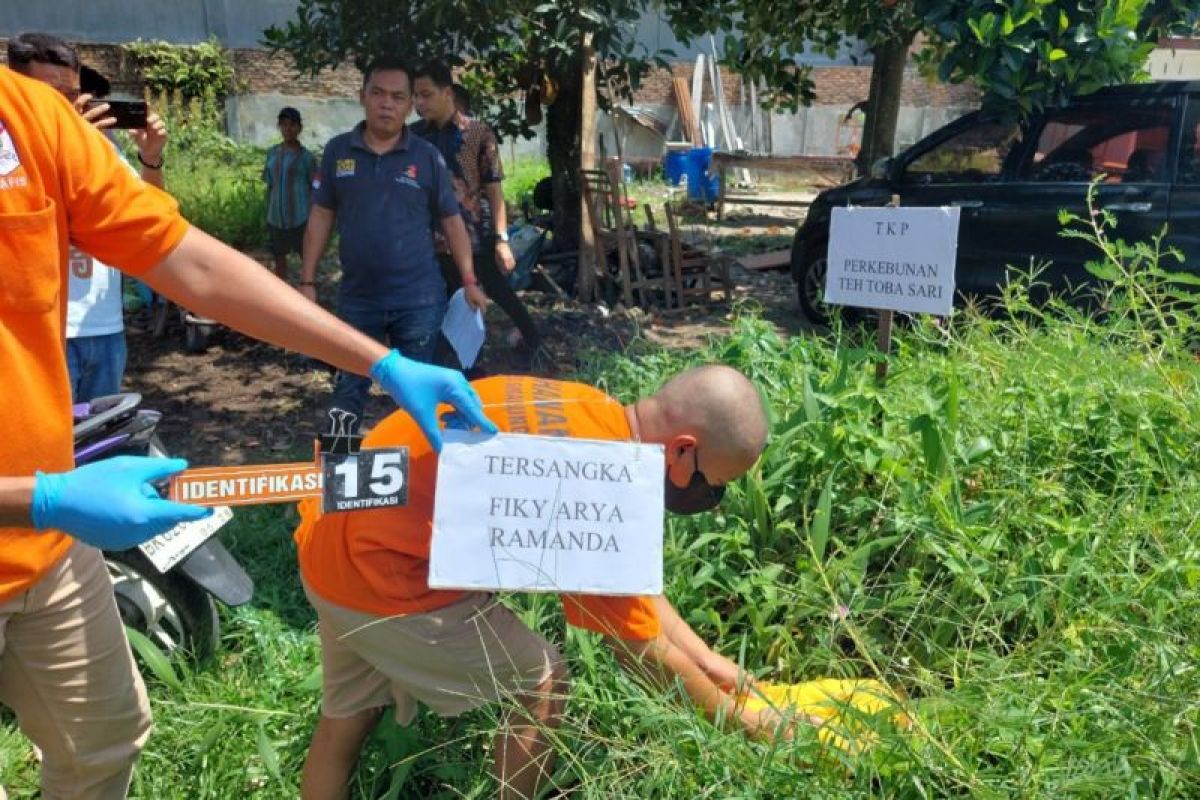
[586, 277]
[883, 102]
[562, 151]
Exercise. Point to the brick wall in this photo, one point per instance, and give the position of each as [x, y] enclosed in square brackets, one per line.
[258, 72]
[836, 86]
[261, 73]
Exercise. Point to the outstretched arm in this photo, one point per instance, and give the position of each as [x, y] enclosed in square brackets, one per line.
[678, 654]
[719, 669]
[211, 279]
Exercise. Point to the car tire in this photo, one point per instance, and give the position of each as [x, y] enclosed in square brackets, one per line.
[169, 610]
[810, 282]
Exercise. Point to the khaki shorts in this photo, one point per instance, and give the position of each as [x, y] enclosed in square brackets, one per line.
[453, 659]
[66, 670]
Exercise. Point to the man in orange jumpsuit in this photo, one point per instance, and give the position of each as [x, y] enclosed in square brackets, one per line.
[388, 639]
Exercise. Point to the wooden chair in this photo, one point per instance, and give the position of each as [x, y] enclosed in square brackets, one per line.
[614, 231]
[661, 242]
[593, 186]
[694, 271]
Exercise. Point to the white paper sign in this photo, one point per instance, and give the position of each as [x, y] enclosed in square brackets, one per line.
[893, 258]
[547, 514]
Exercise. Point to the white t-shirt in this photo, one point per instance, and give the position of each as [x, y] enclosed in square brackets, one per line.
[94, 305]
[94, 302]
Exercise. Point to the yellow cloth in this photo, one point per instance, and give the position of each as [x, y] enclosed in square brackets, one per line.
[827, 698]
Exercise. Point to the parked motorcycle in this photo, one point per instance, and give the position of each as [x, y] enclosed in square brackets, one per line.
[165, 587]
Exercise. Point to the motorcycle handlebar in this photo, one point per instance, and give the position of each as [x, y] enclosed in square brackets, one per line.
[107, 411]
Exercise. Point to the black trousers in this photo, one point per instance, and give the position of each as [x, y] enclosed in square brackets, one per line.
[495, 284]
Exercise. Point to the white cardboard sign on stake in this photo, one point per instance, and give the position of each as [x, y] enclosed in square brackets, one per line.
[900, 259]
[547, 514]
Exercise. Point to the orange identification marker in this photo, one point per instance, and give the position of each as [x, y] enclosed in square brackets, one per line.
[247, 485]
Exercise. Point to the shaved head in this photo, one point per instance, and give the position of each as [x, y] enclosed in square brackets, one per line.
[717, 406]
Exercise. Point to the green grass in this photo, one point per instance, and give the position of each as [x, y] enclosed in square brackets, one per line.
[223, 197]
[1005, 532]
[520, 176]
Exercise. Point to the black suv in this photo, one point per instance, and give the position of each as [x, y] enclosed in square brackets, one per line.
[1011, 180]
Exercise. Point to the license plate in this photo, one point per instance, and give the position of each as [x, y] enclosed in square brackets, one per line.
[168, 549]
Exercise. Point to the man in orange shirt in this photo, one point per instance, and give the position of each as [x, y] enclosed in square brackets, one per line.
[65, 667]
[388, 638]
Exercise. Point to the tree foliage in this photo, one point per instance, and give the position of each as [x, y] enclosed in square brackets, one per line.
[1022, 54]
[1028, 54]
[515, 55]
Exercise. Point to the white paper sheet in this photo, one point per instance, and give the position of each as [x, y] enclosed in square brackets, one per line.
[463, 328]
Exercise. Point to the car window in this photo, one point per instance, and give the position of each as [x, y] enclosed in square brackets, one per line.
[975, 155]
[1125, 144]
[1189, 147]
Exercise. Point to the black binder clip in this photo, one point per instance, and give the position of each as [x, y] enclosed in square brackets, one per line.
[343, 437]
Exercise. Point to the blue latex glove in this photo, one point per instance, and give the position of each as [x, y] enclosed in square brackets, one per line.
[453, 421]
[110, 504]
[418, 388]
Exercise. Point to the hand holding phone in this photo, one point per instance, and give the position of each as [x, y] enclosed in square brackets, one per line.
[127, 114]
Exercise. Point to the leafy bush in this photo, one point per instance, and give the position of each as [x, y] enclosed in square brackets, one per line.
[520, 176]
[216, 180]
[227, 201]
[203, 70]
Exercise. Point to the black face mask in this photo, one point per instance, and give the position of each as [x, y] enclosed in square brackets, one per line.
[699, 495]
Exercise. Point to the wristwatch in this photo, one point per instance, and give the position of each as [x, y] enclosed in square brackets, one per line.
[502, 236]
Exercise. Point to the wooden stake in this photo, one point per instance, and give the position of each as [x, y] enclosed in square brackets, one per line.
[586, 278]
[885, 345]
[885, 328]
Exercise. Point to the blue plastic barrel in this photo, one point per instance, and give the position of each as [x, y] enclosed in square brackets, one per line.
[674, 166]
[701, 185]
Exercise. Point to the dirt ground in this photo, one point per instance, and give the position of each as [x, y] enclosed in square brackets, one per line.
[243, 401]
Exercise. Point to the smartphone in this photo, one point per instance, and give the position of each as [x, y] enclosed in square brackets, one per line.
[128, 113]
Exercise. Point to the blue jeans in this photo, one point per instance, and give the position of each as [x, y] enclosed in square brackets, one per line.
[412, 331]
[96, 364]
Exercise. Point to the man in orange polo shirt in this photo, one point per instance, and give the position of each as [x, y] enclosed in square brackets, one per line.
[65, 667]
[387, 638]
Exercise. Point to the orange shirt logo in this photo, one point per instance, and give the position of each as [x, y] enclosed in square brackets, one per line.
[9, 160]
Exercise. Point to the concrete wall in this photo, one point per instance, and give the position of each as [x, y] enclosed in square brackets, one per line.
[240, 23]
[820, 130]
[252, 118]
[815, 131]
[1178, 63]
[237, 23]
